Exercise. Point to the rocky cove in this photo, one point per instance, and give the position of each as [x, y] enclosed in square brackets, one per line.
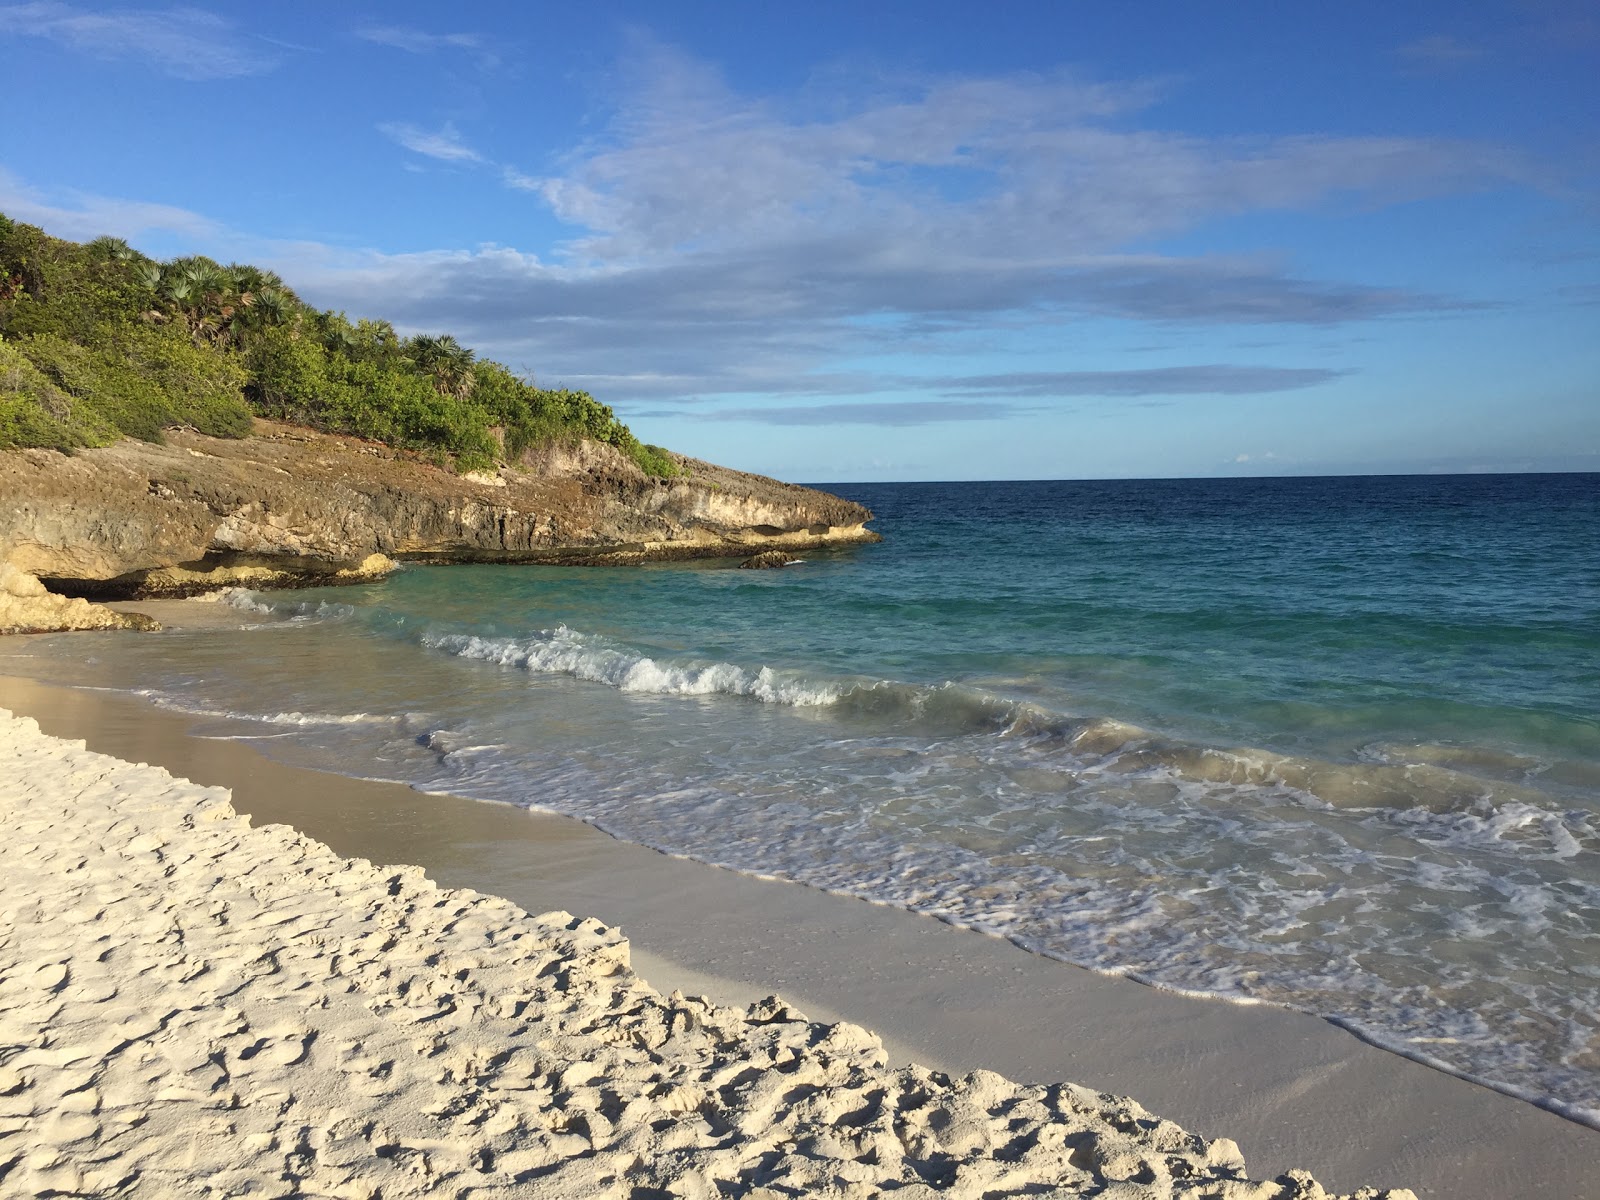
[292, 507]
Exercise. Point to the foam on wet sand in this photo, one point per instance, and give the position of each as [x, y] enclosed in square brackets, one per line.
[192, 1006]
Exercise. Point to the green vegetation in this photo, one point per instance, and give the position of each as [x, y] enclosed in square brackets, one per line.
[99, 342]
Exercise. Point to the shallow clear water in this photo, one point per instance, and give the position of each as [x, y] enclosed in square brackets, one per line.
[1326, 743]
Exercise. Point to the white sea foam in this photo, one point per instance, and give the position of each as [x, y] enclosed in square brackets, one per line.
[563, 651]
[1518, 827]
[1239, 890]
[452, 743]
[1194, 869]
[289, 607]
[243, 600]
[292, 717]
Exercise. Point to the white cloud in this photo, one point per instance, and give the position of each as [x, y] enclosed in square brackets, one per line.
[514, 178]
[189, 43]
[1439, 52]
[418, 41]
[1200, 380]
[727, 245]
[898, 414]
[81, 216]
[444, 144]
[979, 172]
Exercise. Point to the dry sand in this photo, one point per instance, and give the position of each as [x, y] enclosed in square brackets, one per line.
[1292, 1089]
[193, 1006]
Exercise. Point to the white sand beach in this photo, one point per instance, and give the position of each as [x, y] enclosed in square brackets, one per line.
[191, 1005]
[1292, 1090]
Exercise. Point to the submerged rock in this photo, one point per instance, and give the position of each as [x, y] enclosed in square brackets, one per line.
[767, 560]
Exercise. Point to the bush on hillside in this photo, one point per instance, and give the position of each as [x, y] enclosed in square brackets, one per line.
[36, 412]
[101, 341]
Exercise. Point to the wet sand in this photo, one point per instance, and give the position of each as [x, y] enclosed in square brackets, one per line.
[1292, 1090]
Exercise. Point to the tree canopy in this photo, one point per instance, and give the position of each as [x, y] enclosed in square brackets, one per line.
[99, 342]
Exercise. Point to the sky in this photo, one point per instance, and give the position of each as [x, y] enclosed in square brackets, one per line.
[893, 241]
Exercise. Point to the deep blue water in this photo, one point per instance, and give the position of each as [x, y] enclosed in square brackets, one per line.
[1326, 743]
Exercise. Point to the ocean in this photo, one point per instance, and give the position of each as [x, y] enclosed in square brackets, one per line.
[1331, 744]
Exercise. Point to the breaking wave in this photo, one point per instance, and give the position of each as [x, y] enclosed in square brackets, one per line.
[292, 718]
[1448, 795]
[565, 652]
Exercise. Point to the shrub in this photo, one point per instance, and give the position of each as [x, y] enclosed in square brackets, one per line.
[109, 340]
[34, 411]
[203, 386]
[654, 460]
[141, 381]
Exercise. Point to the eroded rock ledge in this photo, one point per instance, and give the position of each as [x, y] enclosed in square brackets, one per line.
[27, 606]
[291, 507]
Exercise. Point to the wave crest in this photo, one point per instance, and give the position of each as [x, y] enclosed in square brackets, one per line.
[564, 651]
[1453, 803]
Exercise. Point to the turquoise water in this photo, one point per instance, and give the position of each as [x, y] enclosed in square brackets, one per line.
[1332, 744]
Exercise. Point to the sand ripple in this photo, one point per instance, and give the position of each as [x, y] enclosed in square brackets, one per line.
[190, 1006]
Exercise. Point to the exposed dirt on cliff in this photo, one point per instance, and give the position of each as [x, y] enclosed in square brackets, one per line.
[291, 506]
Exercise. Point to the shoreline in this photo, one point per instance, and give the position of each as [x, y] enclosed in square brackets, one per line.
[1293, 1090]
[190, 1003]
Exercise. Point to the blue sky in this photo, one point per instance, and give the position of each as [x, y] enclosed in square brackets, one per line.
[925, 240]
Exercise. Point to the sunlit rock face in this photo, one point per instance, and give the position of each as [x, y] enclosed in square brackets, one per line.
[27, 606]
[291, 507]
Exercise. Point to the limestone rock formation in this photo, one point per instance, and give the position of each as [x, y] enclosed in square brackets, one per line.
[27, 606]
[294, 507]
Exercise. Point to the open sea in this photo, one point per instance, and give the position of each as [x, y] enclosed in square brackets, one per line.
[1331, 744]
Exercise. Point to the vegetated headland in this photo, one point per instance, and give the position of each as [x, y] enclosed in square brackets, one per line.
[171, 427]
[101, 342]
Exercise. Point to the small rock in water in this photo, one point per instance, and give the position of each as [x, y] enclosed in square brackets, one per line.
[767, 558]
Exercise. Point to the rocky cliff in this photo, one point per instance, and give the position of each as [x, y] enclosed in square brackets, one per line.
[290, 507]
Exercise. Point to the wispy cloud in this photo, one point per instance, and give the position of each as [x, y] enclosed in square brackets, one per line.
[1587, 294]
[1441, 52]
[959, 393]
[514, 178]
[444, 144]
[894, 414]
[725, 244]
[188, 43]
[1151, 381]
[418, 41]
[971, 173]
[728, 245]
[84, 215]
[730, 325]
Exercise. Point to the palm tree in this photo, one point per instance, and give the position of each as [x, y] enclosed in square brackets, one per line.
[113, 248]
[377, 342]
[177, 288]
[271, 307]
[335, 332]
[202, 292]
[445, 361]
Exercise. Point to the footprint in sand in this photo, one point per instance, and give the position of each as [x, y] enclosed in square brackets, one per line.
[283, 1048]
